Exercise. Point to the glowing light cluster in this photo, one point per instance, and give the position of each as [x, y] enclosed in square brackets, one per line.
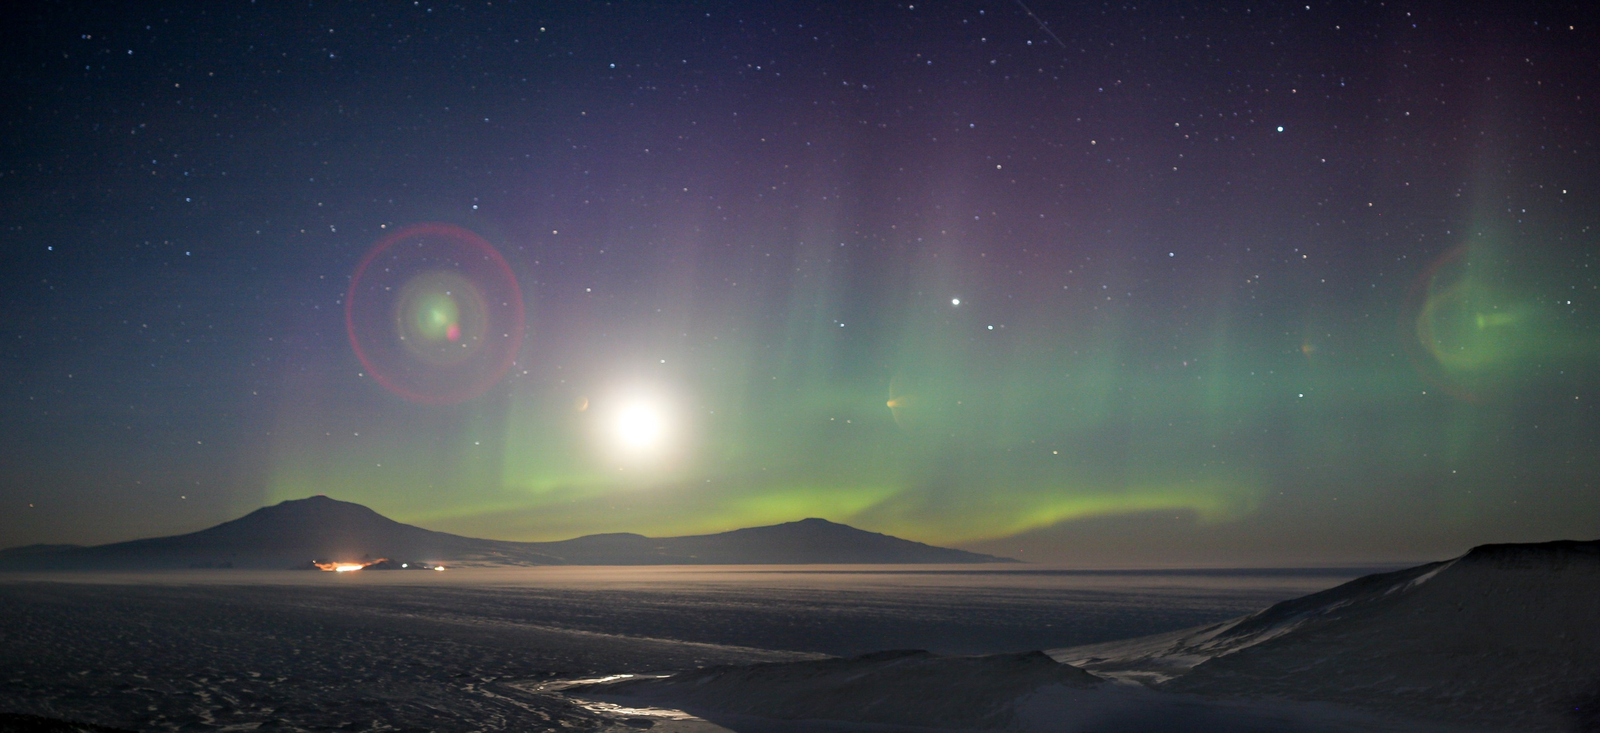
[347, 567]
[338, 567]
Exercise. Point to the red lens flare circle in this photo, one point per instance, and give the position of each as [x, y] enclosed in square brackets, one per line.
[434, 314]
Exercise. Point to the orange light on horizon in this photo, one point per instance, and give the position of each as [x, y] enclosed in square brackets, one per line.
[345, 567]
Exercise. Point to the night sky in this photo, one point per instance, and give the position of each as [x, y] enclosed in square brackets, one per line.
[1166, 283]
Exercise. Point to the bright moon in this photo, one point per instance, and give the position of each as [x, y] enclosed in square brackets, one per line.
[640, 426]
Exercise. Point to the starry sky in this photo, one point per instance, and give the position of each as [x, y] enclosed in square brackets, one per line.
[1093, 283]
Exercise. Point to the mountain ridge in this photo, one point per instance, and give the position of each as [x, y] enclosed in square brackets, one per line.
[1504, 622]
[298, 532]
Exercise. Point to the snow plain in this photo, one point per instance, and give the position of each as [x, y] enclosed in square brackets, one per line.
[483, 649]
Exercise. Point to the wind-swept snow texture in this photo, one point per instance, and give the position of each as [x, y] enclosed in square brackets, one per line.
[908, 687]
[1506, 637]
[1028, 693]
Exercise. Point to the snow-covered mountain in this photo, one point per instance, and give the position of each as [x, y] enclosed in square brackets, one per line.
[1505, 637]
[297, 532]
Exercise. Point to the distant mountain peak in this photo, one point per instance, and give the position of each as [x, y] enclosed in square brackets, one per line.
[808, 523]
[294, 513]
[317, 501]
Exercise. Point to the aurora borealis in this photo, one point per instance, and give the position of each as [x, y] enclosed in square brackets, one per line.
[1180, 283]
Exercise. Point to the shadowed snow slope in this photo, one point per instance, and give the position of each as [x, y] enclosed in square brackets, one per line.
[895, 687]
[1504, 637]
[293, 533]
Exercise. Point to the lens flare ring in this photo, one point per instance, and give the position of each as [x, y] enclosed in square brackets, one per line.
[1463, 332]
[435, 314]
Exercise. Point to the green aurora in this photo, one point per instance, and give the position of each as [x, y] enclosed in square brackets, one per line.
[1308, 283]
[960, 424]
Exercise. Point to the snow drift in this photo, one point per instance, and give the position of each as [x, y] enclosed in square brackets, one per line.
[1504, 637]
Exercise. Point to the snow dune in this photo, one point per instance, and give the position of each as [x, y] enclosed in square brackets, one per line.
[1505, 637]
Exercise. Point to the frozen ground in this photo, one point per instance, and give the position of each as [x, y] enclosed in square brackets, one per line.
[1025, 693]
[470, 650]
[1504, 637]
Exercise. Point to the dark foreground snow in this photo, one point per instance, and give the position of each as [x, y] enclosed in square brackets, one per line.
[218, 658]
[1506, 637]
[909, 687]
[469, 650]
[902, 690]
[1498, 640]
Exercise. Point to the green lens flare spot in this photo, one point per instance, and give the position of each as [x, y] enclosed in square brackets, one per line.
[441, 318]
[1466, 329]
[437, 317]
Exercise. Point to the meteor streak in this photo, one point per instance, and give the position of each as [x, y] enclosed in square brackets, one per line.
[1042, 26]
